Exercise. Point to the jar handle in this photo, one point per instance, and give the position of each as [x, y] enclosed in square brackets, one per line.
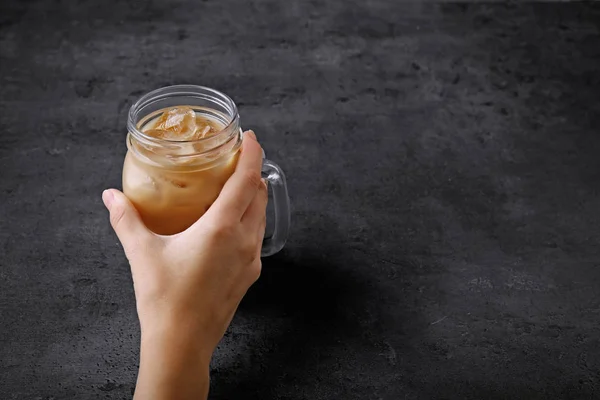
[275, 178]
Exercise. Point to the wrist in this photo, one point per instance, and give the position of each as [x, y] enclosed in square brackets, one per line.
[178, 340]
[174, 364]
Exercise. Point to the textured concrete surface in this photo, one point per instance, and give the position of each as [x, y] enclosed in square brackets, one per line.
[443, 163]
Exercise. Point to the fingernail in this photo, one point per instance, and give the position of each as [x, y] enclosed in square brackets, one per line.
[251, 134]
[107, 198]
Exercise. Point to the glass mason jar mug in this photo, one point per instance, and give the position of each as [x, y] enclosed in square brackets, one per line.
[172, 182]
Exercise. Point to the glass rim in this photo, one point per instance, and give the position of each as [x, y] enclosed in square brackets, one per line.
[175, 91]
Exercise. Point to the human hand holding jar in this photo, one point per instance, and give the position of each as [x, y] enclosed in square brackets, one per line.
[192, 223]
[189, 285]
[183, 144]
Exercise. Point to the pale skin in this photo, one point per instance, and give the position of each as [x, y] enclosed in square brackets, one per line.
[188, 286]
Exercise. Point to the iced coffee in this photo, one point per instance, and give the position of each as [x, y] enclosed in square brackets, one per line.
[183, 144]
[177, 168]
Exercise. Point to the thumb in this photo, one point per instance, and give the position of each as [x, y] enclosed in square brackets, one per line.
[125, 221]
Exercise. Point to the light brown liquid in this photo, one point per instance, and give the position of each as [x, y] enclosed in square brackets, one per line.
[171, 198]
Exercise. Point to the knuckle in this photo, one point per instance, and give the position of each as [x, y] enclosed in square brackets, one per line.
[248, 252]
[224, 230]
[262, 188]
[255, 269]
[253, 178]
[117, 215]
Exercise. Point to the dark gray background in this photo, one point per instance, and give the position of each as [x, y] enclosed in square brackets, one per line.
[443, 163]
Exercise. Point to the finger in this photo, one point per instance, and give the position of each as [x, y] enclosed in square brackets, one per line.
[241, 188]
[260, 235]
[126, 222]
[257, 209]
[255, 218]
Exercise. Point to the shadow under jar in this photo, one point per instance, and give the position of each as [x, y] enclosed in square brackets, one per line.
[172, 182]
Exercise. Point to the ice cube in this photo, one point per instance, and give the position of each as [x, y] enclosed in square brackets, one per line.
[177, 183]
[202, 131]
[171, 152]
[180, 122]
[162, 134]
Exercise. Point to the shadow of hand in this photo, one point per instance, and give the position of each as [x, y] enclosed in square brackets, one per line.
[304, 308]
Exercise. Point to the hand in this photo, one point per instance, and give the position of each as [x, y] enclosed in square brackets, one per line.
[189, 285]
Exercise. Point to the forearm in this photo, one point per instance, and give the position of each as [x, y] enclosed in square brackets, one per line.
[173, 365]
